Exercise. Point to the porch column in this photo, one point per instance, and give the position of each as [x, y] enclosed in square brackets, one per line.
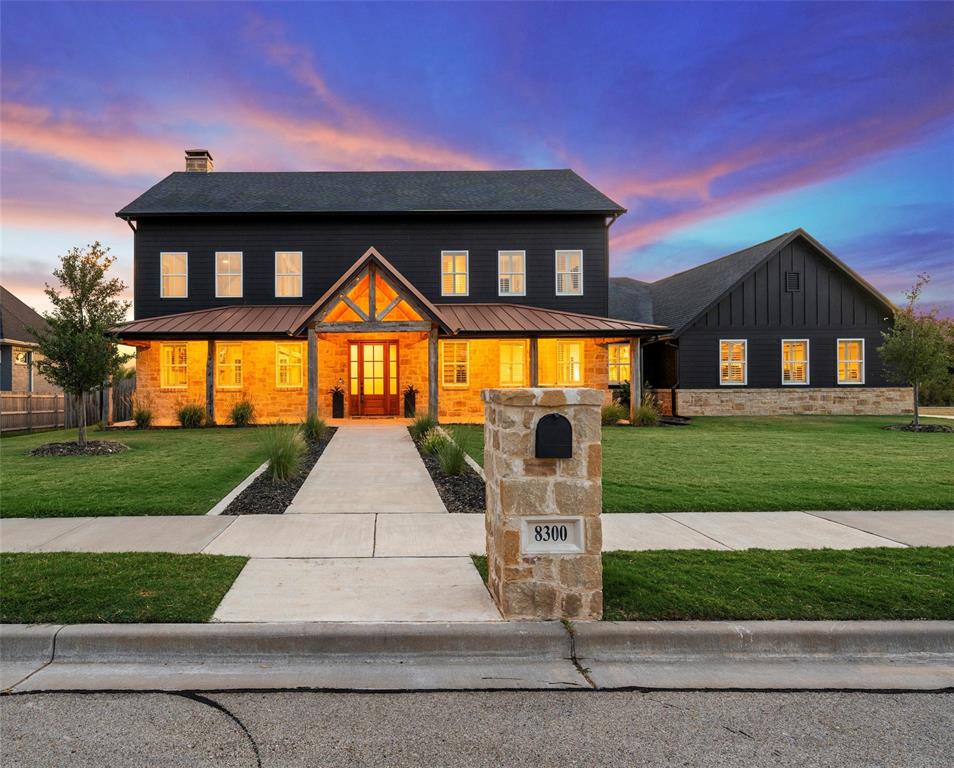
[432, 373]
[534, 363]
[635, 380]
[210, 382]
[312, 371]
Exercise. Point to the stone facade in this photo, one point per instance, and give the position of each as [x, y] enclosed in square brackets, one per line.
[543, 586]
[781, 401]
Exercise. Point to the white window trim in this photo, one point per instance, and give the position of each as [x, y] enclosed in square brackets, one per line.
[300, 275]
[301, 347]
[808, 363]
[556, 271]
[456, 385]
[162, 291]
[218, 366]
[610, 364]
[162, 357]
[466, 271]
[523, 255]
[562, 382]
[863, 361]
[522, 343]
[241, 275]
[745, 363]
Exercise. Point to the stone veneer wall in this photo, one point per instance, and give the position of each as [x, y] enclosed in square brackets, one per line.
[843, 401]
[566, 586]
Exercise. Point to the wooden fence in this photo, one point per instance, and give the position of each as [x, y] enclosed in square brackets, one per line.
[34, 411]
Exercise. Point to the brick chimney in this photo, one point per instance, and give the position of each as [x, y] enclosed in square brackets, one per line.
[199, 160]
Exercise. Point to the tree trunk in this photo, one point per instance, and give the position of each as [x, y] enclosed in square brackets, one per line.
[81, 417]
[917, 415]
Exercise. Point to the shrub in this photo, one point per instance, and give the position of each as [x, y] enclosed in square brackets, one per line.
[434, 439]
[143, 417]
[243, 413]
[451, 458]
[313, 429]
[191, 415]
[647, 415]
[423, 424]
[611, 415]
[284, 446]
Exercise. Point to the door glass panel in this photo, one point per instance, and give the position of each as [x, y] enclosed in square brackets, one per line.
[392, 369]
[373, 369]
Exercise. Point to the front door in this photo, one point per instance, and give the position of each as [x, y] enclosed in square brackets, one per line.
[374, 378]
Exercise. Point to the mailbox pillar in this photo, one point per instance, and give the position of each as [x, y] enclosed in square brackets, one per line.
[544, 534]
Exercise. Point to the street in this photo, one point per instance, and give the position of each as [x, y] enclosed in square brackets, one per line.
[478, 729]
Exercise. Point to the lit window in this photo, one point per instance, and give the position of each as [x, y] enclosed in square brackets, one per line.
[513, 355]
[454, 273]
[851, 361]
[174, 269]
[22, 357]
[228, 274]
[287, 273]
[732, 362]
[511, 273]
[569, 363]
[173, 369]
[454, 363]
[229, 367]
[794, 361]
[618, 363]
[288, 365]
[569, 273]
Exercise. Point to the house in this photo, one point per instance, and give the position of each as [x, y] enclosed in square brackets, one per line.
[17, 347]
[280, 287]
[781, 327]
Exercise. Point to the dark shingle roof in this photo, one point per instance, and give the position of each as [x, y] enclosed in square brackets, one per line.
[16, 318]
[547, 191]
[630, 299]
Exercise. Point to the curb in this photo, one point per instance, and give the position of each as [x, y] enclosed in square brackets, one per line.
[232, 495]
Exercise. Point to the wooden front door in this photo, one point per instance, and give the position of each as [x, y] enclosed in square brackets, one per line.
[374, 378]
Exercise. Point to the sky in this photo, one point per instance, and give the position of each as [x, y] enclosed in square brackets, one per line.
[717, 125]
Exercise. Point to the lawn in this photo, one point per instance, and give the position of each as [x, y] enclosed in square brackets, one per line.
[798, 584]
[771, 463]
[166, 472]
[80, 587]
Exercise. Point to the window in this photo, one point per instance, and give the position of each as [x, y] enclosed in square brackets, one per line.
[174, 270]
[22, 357]
[173, 368]
[513, 355]
[228, 274]
[288, 368]
[229, 366]
[569, 273]
[454, 363]
[569, 363]
[794, 361]
[618, 363]
[511, 273]
[851, 361]
[287, 273]
[454, 273]
[733, 361]
[793, 282]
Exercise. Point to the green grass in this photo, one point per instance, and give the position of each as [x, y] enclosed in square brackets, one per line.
[799, 584]
[128, 587]
[772, 463]
[167, 472]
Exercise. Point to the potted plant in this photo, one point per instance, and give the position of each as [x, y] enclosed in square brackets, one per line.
[337, 401]
[410, 401]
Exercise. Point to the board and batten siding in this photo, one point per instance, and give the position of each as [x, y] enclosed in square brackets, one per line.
[330, 245]
[830, 305]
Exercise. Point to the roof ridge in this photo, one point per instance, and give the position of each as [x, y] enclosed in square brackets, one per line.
[723, 258]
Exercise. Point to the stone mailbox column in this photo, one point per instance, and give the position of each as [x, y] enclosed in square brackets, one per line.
[544, 533]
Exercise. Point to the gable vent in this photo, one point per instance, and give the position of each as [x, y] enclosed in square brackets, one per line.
[793, 281]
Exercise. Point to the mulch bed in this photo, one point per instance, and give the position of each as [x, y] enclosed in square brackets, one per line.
[266, 497]
[92, 448]
[920, 428]
[463, 493]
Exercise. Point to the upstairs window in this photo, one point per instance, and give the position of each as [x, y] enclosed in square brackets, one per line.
[455, 363]
[228, 274]
[794, 361]
[454, 273]
[569, 273]
[173, 368]
[287, 274]
[513, 369]
[288, 365]
[174, 270]
[229, 366]
[733, 362]
[618, 363]
[851, 361]
[511, 273]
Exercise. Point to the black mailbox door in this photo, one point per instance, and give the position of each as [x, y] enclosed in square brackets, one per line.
[554, 439]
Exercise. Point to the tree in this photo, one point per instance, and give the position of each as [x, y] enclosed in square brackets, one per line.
[916, 351]
[78, 347]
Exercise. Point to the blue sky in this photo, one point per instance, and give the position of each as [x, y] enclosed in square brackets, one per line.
[716, 125]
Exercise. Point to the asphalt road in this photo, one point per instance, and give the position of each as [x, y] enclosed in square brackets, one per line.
[478, 729]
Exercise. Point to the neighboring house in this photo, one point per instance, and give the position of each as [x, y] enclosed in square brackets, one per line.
[17, 347]
[277, 287]
[780, 327]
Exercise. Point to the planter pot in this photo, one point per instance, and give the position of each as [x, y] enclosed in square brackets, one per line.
[337, 405]
[410, 405]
